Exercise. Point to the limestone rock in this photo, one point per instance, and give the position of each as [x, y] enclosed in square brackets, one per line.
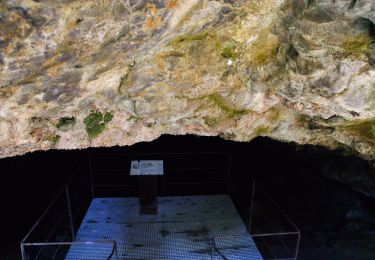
[78, 74]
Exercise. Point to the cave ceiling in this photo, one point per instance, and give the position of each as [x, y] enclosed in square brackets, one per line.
[100, 73]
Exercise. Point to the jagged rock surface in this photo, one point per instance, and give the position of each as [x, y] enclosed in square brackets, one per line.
[78, 74]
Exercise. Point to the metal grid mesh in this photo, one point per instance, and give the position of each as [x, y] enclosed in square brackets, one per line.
[182, 229]
[90, 251]
[236, 248]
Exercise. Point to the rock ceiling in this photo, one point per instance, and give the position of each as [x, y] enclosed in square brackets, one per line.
[95, 73]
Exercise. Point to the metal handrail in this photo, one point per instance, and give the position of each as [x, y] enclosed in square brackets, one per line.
[63, 192]
[51, 204]
[277, 206]
[113, 253]
[164, 153]
[217, 250]
[167, 169]
[93, 171]
[297, 232]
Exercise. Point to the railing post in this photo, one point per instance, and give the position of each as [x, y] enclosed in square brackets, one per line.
[91, 179]
[70, 215]
[23, 253]
[162, 178]
[297, 246]
[229, 173]
[251, 206]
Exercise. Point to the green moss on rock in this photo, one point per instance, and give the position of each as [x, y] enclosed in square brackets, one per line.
[203, 40]
[190, 38]
[217, 100]
[54, 139]
[228, 51]
[365, 129]
[108, 117]
[211, 121]
[96, 123]
[371, 130]
[356, 46]
[265, 48]
[261, 130]
[65, 122]
[303, 119]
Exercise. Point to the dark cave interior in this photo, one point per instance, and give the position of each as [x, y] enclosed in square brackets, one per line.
[328, 194]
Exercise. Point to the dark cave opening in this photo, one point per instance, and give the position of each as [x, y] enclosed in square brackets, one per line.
[322, 191]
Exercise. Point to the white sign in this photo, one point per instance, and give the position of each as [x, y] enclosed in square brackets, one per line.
[147, 167]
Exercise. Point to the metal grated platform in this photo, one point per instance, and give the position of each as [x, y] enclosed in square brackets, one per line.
[181, 230]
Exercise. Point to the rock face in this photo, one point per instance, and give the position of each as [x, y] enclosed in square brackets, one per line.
[78, 74]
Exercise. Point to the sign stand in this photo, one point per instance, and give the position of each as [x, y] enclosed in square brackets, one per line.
[147, 172]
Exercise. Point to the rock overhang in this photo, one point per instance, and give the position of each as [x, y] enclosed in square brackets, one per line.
[77, 74]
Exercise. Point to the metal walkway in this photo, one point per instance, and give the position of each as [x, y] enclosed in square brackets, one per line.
[184, 228]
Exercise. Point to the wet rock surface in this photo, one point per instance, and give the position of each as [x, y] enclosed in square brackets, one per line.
[300, 71]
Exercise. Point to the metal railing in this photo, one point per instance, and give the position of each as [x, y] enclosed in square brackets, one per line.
[275, 234]
[234, 248]
[53, 236]
[112, 178]
[77, 250]
[54, 233]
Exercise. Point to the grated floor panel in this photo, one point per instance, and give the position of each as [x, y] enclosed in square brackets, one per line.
[180, 230]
